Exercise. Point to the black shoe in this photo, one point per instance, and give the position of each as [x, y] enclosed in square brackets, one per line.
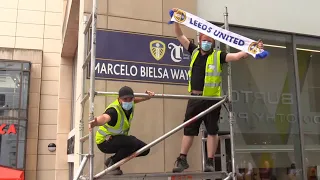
[109, 162]
[181, 164]
[209, 166]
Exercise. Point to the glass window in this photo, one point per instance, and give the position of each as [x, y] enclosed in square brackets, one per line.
[10, 65]
[14, 89]
[24, 85]
[22, 133]
[12, 143]
[10, 90]
[264, 99]
[26, 66]
[308, 57]
[14, 93]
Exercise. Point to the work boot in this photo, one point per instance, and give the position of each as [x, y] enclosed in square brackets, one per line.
[209, 167]
[181, 164]
[109, 162]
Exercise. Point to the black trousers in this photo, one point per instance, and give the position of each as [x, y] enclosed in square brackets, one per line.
[211, 120]
[122, 146]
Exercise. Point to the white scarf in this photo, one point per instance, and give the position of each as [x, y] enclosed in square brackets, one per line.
[222, 35]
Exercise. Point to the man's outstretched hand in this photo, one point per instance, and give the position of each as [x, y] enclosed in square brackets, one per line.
[171, 12]
[92, 124]
[260, 44]
[150, 93]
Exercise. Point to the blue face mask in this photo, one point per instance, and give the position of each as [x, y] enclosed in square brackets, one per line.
[206, 46]
[127, 105]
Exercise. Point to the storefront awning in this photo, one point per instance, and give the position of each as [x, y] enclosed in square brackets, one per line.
[11, 174]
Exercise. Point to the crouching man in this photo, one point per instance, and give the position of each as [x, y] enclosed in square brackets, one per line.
[112, 136]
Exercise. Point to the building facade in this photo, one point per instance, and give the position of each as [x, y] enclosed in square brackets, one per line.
[31, 72]
[43, 48]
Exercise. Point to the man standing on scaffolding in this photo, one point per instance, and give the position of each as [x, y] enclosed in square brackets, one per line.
[114, 125]
[200, 84]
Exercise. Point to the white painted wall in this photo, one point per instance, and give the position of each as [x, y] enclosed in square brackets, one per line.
[285, 15]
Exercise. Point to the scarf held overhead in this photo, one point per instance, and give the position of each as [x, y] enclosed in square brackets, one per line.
[222, 35]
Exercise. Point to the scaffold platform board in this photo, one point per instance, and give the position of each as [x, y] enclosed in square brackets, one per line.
[166, 176]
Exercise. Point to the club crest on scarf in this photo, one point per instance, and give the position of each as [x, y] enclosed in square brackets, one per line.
[157, 49]
[180, 16]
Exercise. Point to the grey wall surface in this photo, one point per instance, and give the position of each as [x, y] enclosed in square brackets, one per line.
[285, 15]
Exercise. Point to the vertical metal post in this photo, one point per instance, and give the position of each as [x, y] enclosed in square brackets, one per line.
[92, 85]
[203, 147]
[81, 126]
[203, 137]
[198, 35]
[231, 115]
[223, 153]
[300, 124]
[82, 164]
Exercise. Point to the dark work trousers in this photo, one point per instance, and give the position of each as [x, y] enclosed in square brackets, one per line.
[123, 146]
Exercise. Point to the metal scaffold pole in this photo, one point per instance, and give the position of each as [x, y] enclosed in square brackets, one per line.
[230, 107]
[92, 86]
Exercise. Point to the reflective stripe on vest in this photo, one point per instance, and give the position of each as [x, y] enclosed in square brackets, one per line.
[212, 84]
[120, 130]
[122, 126]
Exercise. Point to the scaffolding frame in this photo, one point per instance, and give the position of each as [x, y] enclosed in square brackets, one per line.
[90, 95]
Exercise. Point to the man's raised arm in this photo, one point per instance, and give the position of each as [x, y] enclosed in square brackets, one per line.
[181, 37]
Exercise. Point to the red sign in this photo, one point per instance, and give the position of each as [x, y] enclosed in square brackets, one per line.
[10, 130]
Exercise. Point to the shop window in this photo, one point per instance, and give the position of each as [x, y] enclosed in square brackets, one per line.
[313, 81]
[266, 110]
[14, 90]
[308, 57]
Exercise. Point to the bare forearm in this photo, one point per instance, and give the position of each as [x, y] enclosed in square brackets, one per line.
[236, 56]
[181, 37]
[103, 119]
[243, 55]
[140, 99]
[177, 30]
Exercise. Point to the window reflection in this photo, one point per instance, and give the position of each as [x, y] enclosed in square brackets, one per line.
[26, 66]
[308, 56]
[24, 92]
[264, 101]
[10, 89]
[14, 89]
[12, 143]
[8, 143]
[270, 166]
[21, 144]
[11, 65]
[14, 93]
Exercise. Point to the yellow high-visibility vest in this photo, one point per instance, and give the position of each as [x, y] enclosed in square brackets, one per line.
[122, 126]
[212, 81]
